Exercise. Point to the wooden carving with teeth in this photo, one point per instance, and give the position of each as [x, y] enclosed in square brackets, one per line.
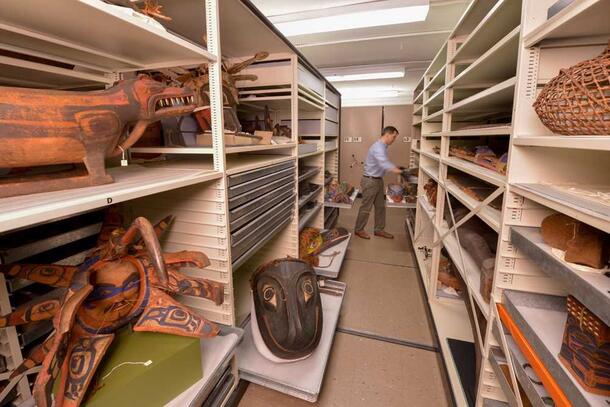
[126, 280]
[48, 127]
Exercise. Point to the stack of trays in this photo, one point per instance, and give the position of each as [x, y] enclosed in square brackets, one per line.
[261, 202]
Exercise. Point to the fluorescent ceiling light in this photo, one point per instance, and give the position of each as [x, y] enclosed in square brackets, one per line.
[366, 76]
[348, 21]
[366, 93]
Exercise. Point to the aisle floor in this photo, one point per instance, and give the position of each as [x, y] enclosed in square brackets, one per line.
[385, 352]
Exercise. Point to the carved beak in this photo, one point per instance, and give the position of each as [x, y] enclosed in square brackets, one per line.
[151, 242]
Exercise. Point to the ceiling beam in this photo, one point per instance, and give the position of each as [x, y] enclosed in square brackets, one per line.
[373, 38]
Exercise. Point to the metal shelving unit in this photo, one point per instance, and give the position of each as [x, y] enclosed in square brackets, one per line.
[498, 57]
[103, 42]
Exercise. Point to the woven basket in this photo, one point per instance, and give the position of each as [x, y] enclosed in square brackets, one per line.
[577, 101]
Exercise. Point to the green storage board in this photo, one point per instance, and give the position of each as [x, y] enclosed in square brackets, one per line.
[176, 365]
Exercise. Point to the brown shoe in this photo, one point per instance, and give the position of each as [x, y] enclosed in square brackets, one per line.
[362, 234]
[384, 234]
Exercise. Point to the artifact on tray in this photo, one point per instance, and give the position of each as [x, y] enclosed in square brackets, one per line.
[313, 242]
[152, 8]
[448, 276]
[306, 188]
[396, 192]
[480, 242]
[286, 310]
[410, 192]
[93, 127]
[126, 279]
[577, 101]
[585, 348]
[337, 192]
[576, 242]
[476, 189]
[233, 136]
[481, 155]
[431, 189]
[198, 79]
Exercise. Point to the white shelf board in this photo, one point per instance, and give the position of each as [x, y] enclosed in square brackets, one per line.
[428, 209]
[497, 63]
[305, 155]
[416, 150]
[477, 132]
[302, 379]
[95, 33]
[309, 173]
[267, 147]
[330, 150]
[334, 269]
[438, 62]
[304, 199]
[258, 103]
[389, 203]
[488, 214]
[432, 172]
[591, 212]
[438, 79]
[419, 98]
[589, 287]
[542, 319]
[434, 156]
[343, 205]
[215, 354]
[601, 143]
[130, 182]
[172, 150]
[436, 117]
[488, 100]
[436, 100]
[581, 18]
[468, 269]
[417, 122]
[418, 109]
[306, 216]
[307, 105]
[501, 19]
[476, 170]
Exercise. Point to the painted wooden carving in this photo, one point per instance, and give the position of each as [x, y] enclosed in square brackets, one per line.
[126, 279]
[46, 127]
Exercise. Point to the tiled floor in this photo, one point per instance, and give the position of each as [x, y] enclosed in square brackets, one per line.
[383, 354]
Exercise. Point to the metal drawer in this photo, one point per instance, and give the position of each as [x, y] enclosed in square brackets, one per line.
[248, 186]
[246, 242]
[238, 236]
[246, 176]
[262, 190]
[245, 213]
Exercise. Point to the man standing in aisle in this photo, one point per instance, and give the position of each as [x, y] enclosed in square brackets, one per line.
[373, 191]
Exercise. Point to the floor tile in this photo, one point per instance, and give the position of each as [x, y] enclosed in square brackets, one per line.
[368, 373]
[385, 300]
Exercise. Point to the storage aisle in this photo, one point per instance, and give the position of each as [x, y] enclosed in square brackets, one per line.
[385, 352]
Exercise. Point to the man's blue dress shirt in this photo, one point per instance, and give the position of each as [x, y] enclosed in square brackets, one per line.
[377, 161]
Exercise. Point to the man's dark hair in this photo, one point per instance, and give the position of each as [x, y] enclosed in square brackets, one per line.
[389, 130]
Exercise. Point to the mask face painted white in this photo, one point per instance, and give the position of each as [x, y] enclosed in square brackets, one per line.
[287, 309]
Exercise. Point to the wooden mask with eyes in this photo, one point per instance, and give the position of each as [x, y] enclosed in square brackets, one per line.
[288, 307]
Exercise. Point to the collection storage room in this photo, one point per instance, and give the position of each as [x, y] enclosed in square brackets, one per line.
[293, 203]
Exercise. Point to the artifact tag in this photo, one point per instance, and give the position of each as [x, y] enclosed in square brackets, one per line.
[124, 162]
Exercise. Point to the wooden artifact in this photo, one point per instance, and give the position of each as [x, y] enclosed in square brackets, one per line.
[577, 101]
[582, 243]
[47, 127]
[313, 242]
[126, 279]
[431, 189]
[585, 348]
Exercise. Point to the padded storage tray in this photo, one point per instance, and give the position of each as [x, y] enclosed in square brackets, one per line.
[247, 237]
[332, 114]
[240, 178]
[331, 128]
[245, 213]
[248, 186]
[250, 195]
[332, 98]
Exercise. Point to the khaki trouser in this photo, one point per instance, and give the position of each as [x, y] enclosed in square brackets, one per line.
[372, 194]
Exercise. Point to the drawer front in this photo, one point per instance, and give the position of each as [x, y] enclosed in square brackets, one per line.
[262, 190]
[247, 212]
[268, 74]
[246, 176]
[332, 114]
[331, 128]
[310, 81]
[251, 185]
[332, 98]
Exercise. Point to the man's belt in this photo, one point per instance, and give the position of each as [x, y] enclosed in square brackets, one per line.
[368, 176]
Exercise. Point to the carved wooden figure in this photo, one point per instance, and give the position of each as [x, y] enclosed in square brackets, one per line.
[124, 280]
[46, 127]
